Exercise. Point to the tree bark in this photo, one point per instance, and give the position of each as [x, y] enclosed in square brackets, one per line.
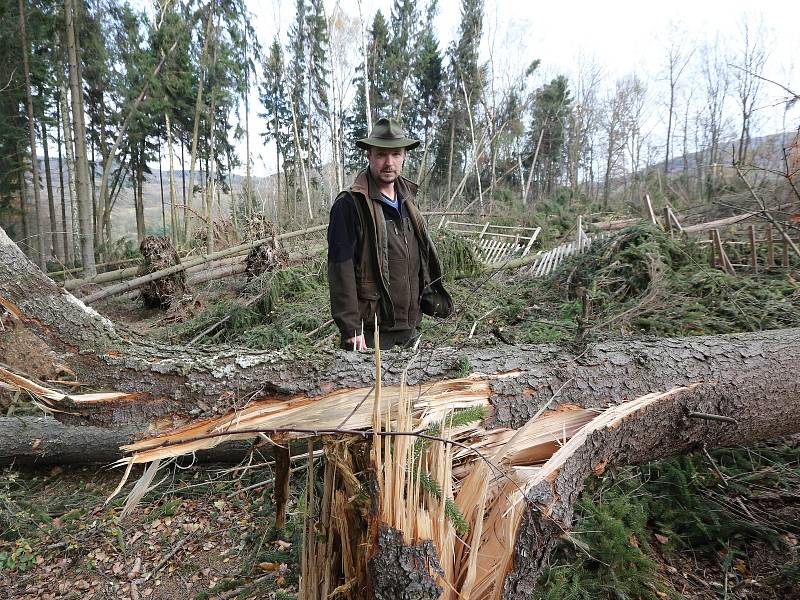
[40, 238]
[742, 378]
[83, 193]
[68, 257]
[48, 177]
[66, 127]
[44, 441]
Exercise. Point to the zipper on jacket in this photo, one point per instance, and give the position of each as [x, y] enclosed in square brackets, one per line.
[408, 269]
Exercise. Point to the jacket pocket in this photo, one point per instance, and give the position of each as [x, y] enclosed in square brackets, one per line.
[368, 296]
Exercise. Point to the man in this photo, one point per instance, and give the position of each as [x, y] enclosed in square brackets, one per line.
[381, 260]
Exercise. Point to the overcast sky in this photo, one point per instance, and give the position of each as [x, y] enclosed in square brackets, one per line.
[621, 36]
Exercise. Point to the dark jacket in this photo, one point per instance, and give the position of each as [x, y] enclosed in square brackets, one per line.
[375, 254]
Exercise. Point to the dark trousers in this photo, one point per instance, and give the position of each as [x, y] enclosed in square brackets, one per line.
[389, 339]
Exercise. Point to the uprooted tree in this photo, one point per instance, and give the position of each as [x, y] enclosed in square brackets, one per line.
[473, 499]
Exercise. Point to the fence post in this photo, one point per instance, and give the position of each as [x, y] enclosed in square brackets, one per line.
[713, 247]
[753, 250]
[578, 236]
[649, 206]
[667, 221]
[770, 247]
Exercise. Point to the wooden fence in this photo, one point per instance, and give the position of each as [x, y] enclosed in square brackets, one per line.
[496, 243]
[754, 243]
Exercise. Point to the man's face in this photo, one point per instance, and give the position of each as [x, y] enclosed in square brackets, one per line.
[386, 164]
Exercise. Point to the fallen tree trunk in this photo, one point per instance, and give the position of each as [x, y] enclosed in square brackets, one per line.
[37, 441]
[554, 414]
[192, 262]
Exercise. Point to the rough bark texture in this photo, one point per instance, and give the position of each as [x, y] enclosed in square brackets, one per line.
[44, 441]
[752, 378]
[400, 572]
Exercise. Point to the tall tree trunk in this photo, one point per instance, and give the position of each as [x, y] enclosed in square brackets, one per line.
[299, 159]
[183, 182]
[248, 195]
[23, 206]
[40, 238]
[58, 249]
[212, 158]
[69, 147]
[450, 159]
[161, 186]
[69, 257]
[279, 197]
[81, 158]
[173, 216]
[138, 195]
[96, 217]
[198, 105]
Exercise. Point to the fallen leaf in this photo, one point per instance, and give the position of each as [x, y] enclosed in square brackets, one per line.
[268, 566]
[137, 568]
[662, 539]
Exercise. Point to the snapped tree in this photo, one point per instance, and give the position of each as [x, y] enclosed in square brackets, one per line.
[544, 418]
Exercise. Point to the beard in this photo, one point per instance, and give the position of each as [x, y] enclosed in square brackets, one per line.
[387, 176]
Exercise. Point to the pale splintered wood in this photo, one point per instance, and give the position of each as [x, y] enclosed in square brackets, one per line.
[50, 398]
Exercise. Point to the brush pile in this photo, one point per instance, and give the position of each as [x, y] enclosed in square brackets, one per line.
[643, 281]
[159, 253]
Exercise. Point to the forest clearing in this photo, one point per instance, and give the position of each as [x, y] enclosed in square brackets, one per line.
[601, 400]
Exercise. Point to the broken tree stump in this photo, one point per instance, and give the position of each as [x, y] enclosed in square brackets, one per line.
[158, 253]
[266, 257]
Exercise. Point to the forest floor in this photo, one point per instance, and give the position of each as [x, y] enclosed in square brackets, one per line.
[718, 524]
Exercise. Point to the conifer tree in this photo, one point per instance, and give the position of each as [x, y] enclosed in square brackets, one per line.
[318, 73]
[277, 112]
[551, 107]
[465, 84]
[298, 105]
[404, 29]
[427, 78]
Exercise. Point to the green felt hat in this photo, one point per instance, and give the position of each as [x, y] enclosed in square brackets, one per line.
[387, 133]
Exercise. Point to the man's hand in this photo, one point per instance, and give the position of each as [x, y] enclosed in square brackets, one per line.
[358, 343]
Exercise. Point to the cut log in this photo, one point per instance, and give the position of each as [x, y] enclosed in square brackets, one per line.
[555, 414]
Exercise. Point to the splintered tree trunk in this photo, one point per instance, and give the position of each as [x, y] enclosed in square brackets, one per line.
[556, 413]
